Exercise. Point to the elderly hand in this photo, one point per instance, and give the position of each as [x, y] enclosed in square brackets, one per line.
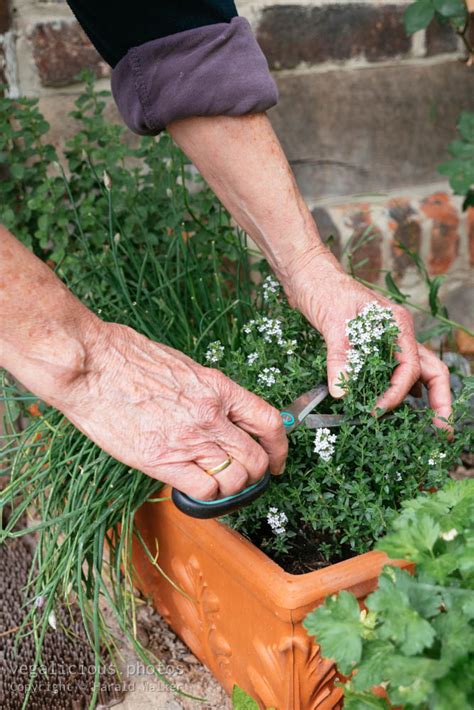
[160, 412]
[328, 297]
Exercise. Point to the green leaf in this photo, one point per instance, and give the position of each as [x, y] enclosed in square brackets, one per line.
[433, 295]
[393, 288]
[17, 171]
[362, 701]
[466, 126]
[418, 16]
[412, 539]
[450, 8]
[460, 174]
[436, 331]
[337, 628]
[371, 670]
[401, 623]
[456, 635]
[242, 701]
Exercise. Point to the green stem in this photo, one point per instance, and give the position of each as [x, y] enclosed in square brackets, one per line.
[406, 301]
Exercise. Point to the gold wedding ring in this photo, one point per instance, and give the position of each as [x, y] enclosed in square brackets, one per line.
[220, 467]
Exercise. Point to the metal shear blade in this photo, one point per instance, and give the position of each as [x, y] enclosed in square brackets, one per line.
[296, 412]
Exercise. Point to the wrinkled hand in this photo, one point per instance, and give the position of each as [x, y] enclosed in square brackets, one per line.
[328, 297]
[158, 411]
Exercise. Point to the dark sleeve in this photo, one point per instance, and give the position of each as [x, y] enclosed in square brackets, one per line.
[175, 59]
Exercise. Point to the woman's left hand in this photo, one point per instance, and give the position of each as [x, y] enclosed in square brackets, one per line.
[328, 297]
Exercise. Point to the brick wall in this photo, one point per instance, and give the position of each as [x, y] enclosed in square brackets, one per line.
[362, 109]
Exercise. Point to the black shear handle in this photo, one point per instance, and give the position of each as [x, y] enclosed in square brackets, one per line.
[205, 509]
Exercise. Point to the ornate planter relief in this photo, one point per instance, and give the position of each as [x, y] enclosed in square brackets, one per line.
[293, 669]
[242, 614]
[200, 617]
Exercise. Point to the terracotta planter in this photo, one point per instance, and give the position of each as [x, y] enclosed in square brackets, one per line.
[242, 616]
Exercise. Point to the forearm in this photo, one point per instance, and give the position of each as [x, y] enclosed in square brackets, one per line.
[243, 162]
[44, 328]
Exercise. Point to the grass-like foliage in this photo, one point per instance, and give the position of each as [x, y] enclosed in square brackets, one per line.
[141, 249]
[416, 636]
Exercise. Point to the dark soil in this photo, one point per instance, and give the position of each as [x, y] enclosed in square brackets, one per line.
[305, 556]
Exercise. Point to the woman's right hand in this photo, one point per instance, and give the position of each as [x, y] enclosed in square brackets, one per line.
[158, 411]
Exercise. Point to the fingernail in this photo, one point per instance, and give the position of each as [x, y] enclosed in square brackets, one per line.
[281, 470]
[337, 390]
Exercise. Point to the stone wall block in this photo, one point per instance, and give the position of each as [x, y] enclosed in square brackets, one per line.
[294, 34]
[61, 50]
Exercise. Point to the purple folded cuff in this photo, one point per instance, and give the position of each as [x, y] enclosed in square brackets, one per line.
[207, 71]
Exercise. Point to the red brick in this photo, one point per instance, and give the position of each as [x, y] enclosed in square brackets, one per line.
[470, 233]
[406, 231]
[444, 245]
[290, 34]
[61, 50]
[369, 239]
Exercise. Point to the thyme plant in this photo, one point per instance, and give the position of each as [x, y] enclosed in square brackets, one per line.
[341, 486]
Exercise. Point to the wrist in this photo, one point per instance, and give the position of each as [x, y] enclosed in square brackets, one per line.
[308, 273]
[56, 355]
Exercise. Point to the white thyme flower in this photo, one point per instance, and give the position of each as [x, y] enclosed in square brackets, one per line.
[39, 602]
[169, 192]
[436, 457]
[269, 286]
[364, 333]
[290, 346]
[449, 535]
[268, 376]
[277, 520]
[270, 329]
[215, 352]
[398, 476]
[252, 358]
[324, 443]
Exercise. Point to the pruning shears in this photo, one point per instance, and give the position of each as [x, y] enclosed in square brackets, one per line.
[293, 415]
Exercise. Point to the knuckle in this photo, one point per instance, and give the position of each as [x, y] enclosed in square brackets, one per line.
[238, 482]
[208, 412]
[261, 463]
[443, 369]
[274, 421]
[205, 489]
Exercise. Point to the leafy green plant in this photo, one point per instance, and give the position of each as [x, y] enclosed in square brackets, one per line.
[420, 14]
[460, 169]
[58, 210]
[415, 638]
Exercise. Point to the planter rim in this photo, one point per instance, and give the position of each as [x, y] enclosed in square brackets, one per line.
[283, 589]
